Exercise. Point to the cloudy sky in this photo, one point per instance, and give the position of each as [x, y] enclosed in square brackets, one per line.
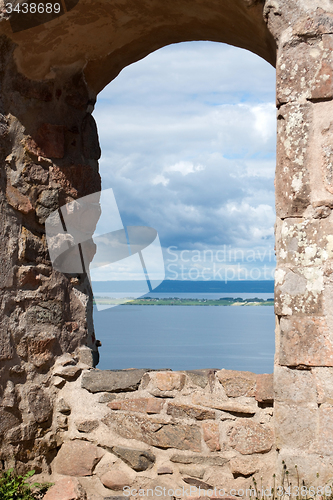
[188, 146]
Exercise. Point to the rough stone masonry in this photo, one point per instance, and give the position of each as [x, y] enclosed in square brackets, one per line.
[52, 69]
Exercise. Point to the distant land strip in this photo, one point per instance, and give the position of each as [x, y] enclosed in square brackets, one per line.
[174, 301]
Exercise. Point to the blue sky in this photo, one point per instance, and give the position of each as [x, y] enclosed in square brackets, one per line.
[188, 145]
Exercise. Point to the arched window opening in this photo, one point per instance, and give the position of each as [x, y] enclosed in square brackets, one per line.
[188, 147]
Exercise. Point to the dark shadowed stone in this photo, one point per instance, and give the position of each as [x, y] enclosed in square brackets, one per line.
[45, 312]
[91, 148]
[87, 425]
[39, 404]
[7, 421]
[198, 459]
[196, 482]
[106, 398]
[6, 349]
[42, 91]
[112, 381]
[139, 460]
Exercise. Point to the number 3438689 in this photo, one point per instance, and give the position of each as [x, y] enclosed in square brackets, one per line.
[34, 8]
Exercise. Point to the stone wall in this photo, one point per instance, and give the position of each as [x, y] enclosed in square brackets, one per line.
[140, 428]
[50, 75]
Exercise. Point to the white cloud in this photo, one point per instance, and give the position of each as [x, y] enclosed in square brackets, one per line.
[184, 167]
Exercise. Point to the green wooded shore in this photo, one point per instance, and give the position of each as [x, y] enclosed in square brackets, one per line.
[174, 301]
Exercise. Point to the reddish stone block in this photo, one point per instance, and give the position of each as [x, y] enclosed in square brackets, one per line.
[304, 71]
[189, 411]
[264, 388]
[18, 200]
[66, 488]
[77, 458]
[305, 341]
[28, 276]
[250, 437]
[211, 435]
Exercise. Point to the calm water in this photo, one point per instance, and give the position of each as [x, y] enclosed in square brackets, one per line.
[185, 338]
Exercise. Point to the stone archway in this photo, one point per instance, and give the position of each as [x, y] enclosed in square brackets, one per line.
[50, 76]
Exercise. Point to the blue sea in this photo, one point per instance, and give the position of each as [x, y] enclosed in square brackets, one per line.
[189, 337]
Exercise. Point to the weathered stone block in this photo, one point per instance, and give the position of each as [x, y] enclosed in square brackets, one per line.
[264, 388]
[303, 242]
[77, 458]
[7, 421]
[294, 386]
[37, 346]
[200, 377]
[197, 483]
[87, 426]
[66, 488]
[228, 406]
[139, 460]
[164, 469]
[299, 291]
[323, 444]
[304, 70]
[143, 405]
[165, 383]
[31, 247]
[39, 403]
[305, 341]
[292, 181]
[67, 372]
[112, 381]
[35, 174]
[295, 425]
[324, 384]
[75, 180]
[199, 459]
[211, 435]
[188, 411]
[6, 348]
[192, 470]
[115, 479]
[18, 200]
[237, 383]
[46, 312]
[240, 466]
[250, 437]
[154, 433]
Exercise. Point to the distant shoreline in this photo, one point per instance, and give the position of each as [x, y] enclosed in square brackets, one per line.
[173, 301]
